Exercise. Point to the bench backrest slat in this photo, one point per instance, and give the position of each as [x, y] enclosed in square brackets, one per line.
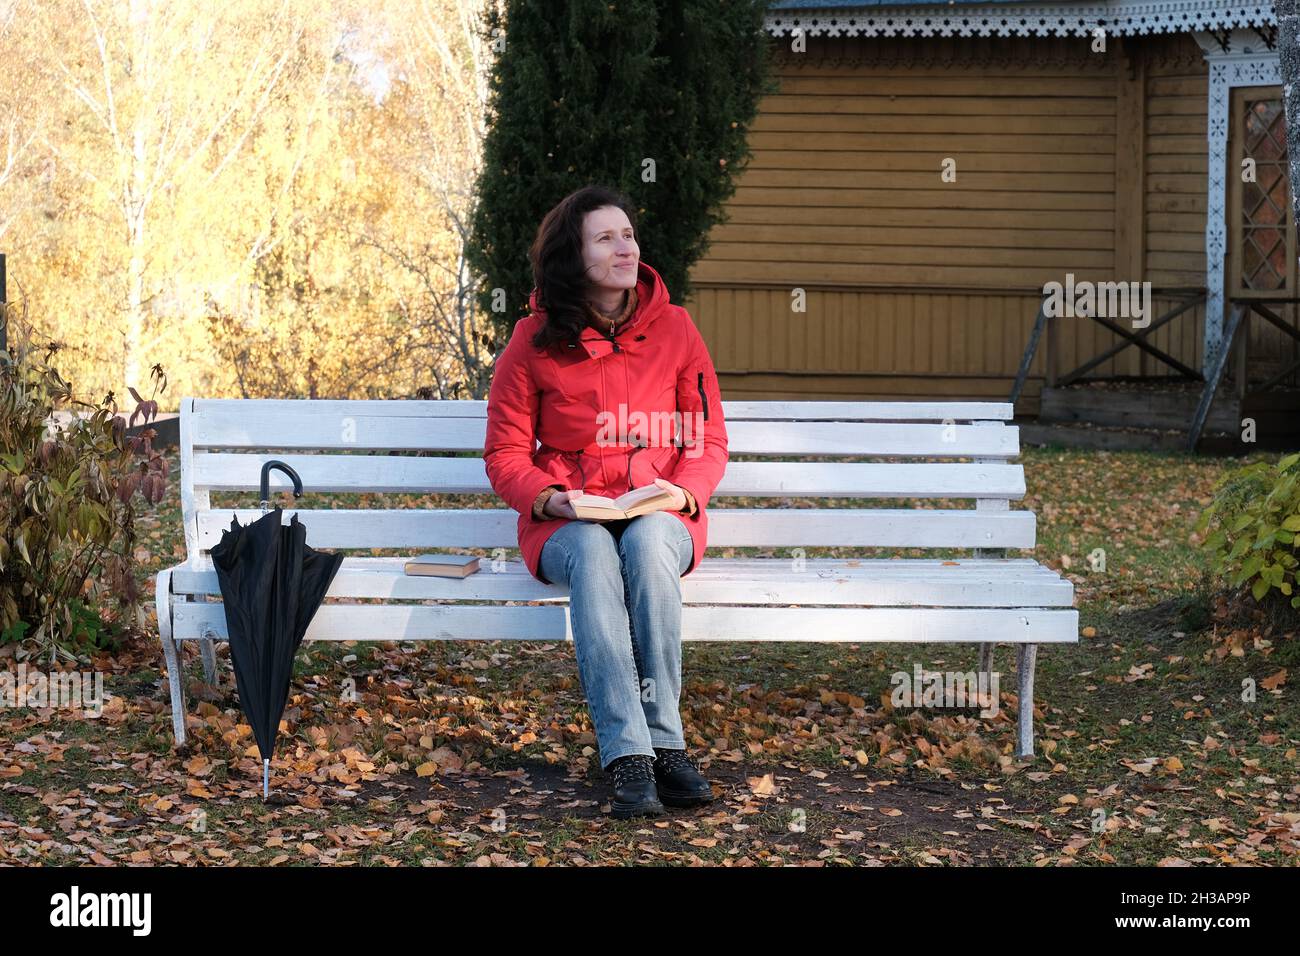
[353, 433]
[466, 476]
[734, 410]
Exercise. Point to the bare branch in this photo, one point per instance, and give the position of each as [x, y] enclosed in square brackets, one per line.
[110, 108]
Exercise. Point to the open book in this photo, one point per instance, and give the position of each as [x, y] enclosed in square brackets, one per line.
[638, 501]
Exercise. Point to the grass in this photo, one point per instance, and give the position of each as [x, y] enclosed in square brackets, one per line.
[484, 753]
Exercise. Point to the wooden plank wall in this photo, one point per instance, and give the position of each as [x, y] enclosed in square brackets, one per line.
[1177, 83]
[1066, 160]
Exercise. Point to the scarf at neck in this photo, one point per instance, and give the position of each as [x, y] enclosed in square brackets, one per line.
[609, 323]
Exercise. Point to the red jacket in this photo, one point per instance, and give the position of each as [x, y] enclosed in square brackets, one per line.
[647, 400]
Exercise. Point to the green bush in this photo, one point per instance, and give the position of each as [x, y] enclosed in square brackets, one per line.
[67, 520]
[1252, 523]
[89, 629]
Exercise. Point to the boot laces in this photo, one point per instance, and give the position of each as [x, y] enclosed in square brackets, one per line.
[630, 768]
[674, 760]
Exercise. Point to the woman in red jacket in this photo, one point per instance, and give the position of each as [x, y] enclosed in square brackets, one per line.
[616, 384]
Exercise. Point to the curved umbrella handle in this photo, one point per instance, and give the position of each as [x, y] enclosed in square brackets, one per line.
[266, 481]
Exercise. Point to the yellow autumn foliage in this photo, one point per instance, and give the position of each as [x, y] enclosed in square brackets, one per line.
[263, 196]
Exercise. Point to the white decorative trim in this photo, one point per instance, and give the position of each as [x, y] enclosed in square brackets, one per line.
[1120, 18]
[1227, 69]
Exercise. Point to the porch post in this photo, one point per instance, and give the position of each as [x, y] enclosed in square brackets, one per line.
[1243, 60]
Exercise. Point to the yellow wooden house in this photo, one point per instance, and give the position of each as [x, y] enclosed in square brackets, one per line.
[925, 171]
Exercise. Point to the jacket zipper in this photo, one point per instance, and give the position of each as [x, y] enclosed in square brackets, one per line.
[578, 455]
[703, 399]
[627, 383]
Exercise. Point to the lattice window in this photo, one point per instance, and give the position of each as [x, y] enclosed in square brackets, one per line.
[1264, 235]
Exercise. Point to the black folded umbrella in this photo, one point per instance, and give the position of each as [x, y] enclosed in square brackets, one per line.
[272, 585]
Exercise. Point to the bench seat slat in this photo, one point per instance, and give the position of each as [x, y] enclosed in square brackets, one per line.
[391, 622]
[976, 583]
[732, 566]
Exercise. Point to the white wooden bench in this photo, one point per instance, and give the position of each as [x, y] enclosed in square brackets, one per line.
[345, 446]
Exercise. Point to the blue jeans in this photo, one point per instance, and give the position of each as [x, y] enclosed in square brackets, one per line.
[625, 610]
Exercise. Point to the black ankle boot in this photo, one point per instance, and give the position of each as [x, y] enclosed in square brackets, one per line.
[677, 780]
[634, 788]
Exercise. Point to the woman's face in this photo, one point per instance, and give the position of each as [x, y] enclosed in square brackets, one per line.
[609, 250]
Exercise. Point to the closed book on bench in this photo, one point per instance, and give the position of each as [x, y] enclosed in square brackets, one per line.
[638, 501]
[443, 565]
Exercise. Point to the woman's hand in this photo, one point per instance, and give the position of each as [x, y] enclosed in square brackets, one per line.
[558, 506]
[679, 497]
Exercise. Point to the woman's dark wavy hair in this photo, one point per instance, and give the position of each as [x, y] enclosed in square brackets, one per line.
[556, 254]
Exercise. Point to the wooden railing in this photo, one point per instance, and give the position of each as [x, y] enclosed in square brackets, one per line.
[1236, 333]
[1045, 333]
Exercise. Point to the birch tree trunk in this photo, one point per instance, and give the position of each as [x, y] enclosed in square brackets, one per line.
[23, 107]
[172, 94]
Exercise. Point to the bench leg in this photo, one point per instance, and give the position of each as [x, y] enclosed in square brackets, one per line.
[208, 650]
[172, 655]
[176, 680]
[1026, 657]
[983, 554]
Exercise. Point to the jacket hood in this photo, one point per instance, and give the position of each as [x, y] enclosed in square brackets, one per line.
[651, 293]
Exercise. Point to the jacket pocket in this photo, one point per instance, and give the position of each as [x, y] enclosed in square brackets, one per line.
[649, 463]
[704, 399]
[567, 467]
